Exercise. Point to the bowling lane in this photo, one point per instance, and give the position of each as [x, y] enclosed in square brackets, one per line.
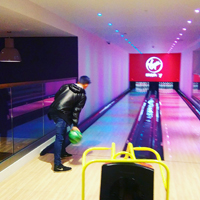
[114, 126]
[180, 128]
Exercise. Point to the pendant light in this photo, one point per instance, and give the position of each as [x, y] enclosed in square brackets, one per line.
[9, 53]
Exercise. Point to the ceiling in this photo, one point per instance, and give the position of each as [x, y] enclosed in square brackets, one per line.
[151, 26]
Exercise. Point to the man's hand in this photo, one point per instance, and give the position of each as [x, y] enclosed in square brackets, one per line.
[75, 128]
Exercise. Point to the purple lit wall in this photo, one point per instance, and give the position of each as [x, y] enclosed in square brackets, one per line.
[107, 65]
[52, 87]
[186, 76]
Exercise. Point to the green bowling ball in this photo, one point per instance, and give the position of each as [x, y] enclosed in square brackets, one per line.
[75, 136]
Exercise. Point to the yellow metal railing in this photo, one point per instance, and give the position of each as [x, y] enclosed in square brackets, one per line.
[128, 158]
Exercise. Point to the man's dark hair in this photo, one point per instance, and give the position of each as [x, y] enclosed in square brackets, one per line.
[84, 80]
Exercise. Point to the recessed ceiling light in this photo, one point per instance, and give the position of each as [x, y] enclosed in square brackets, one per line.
[184, 29]
[189, 21]
[196, 11]
[178, 38]
[117, 31]
[99, 14]
[126, 39]
[180, 34]
[175, 41]
[122, 35]
[110, 24]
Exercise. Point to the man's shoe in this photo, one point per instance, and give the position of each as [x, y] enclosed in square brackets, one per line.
[60, 168]
[65, 155]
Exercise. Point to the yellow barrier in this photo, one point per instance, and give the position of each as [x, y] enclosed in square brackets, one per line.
[128, 158]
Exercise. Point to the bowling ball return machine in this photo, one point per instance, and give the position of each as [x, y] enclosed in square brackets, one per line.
[127, 178]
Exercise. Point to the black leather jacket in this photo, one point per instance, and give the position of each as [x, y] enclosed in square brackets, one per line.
[68, 103]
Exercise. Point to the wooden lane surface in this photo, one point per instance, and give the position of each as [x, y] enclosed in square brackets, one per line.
[114, 126]
[181, 129]
[181, 143]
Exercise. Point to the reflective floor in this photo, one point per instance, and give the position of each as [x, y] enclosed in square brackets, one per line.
[181, 143]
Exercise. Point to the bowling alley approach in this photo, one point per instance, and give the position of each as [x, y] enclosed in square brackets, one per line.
[99, 100]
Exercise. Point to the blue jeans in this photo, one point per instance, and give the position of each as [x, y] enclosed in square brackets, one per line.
[62, 128]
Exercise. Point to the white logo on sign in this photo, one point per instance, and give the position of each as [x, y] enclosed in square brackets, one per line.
[154, 65]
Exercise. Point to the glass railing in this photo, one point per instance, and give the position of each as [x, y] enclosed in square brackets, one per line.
[196, 92]
[23, 114]
[196, 88]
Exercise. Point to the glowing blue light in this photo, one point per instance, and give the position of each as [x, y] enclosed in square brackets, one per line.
[137, 49]
[122, 35]
[126, 39]
[116, 31]
[99, 14]
[129, 42]
[110, 24]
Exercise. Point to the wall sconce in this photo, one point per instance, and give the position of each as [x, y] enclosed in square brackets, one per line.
[9, 53]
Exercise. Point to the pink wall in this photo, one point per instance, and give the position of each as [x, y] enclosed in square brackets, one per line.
[186, 74]
[52, 87]
[107, 65]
